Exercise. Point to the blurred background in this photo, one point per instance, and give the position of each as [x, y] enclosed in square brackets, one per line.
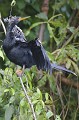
[56, 96]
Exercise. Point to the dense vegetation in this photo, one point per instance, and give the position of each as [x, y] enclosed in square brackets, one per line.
[53, 96]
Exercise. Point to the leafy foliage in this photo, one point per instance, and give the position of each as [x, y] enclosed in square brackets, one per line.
[61, 38]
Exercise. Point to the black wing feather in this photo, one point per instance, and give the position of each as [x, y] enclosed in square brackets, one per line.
[39, 55]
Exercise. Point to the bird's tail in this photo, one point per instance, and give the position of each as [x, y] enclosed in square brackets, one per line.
[57, 67]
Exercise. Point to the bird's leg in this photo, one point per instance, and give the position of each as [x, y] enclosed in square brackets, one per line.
[23, 69]
[20, 72]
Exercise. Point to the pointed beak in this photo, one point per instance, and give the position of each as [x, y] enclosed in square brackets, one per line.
[24, 18]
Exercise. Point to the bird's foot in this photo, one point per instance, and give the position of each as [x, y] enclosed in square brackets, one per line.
[19, 73]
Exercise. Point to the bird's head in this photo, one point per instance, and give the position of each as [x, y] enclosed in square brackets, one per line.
[14, 19]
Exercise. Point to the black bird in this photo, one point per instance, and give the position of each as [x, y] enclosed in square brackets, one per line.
[24, 53]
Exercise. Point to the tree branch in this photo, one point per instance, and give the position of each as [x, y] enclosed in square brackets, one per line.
[59, 89]
[70, 82]
[2, 24]
[27, 97]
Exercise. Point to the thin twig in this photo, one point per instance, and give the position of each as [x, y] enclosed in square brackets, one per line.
[2, 25]
[68, 104]
[71, 37]
[78, 97]
[76, 113]
[60, 94]
[69, 82]
[27, 97]
[53, 105]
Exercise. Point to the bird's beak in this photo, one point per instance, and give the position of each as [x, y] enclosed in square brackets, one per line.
[24, 18]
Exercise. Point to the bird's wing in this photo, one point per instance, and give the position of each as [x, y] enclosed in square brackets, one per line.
[41, 58]
[39, 55]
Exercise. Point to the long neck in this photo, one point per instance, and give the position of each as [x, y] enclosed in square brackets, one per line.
[9, 40]
[10, 27]
[9, 34]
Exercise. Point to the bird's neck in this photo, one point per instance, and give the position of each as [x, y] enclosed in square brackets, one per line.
[9, 40]
[10, 26]
[9, 34]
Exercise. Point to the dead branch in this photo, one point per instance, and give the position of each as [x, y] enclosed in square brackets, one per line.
[69, 82]
[59, 89]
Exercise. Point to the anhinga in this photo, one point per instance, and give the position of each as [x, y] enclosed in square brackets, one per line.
[24, 53]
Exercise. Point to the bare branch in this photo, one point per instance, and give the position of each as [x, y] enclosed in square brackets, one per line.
[60, 93]
[27, 97]
[70, 82]
[2, 24]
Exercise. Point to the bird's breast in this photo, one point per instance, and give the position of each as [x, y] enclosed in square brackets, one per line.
[21, 56]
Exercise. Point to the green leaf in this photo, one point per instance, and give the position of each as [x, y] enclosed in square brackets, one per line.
[27, 32]
[51, 57]
[57, 117]
[13, 91]
[49, 114]
[50, 30]
[42, 15]
[1, 54]
[52, 34]
[46, 96]
[43, 104]
[54, 17]
[36, 24]
[1, 71]
[68, 64]
[75, 67]
[22, 102]
[39, 92]
[35, 101]
[71, 29]
[12, 99]
[9, 112]
[6, 90]
[39, 108]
